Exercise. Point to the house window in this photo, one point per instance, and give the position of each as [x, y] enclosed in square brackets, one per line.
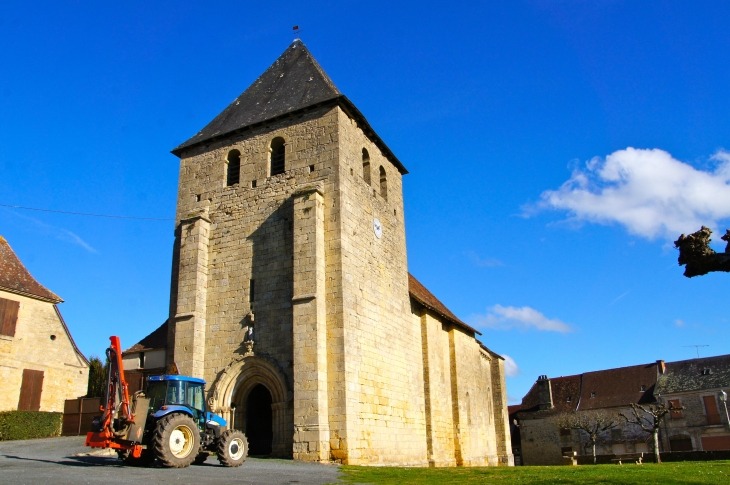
[675, 414]
[278, 156]
[680, 443]
[251, 292]
[713, 416]
[383, 184]
[564, 431]
[366, 166]
[8, 316]
[141, 360]
[706, 371]
[570, 398]
[643, 388]
[615, 434]
[233, 171]
[593, 394]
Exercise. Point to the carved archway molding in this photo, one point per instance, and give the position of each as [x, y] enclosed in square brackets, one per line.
[242, 375]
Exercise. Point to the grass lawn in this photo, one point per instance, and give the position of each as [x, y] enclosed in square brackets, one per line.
[649, 473]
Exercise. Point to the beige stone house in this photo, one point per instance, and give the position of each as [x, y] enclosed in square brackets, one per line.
[543, 442]
[291, 294]
[40, 365]
[696, 385]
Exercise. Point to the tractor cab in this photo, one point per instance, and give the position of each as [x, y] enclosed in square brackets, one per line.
[174, 393]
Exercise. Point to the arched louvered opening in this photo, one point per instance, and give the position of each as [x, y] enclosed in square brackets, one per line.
[366, 166]
[383, 184]
[278, 156]
[233, 170]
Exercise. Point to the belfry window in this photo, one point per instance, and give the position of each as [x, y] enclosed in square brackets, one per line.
[383, 184]
[278, 156]
[366, 166]
[233, 171]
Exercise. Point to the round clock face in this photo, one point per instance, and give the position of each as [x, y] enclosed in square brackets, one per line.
[378, 228]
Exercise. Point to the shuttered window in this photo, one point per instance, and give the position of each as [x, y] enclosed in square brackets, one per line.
[713, 416]
[674, 403]
[8, 316]
[30, 390]
[714, 443]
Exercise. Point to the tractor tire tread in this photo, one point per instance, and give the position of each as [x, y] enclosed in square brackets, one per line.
[159, 448]
[222, 448]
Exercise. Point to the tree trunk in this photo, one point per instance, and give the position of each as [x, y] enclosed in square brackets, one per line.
[657, 459]
[594, 452]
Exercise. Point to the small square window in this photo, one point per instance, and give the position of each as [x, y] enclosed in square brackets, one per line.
[570, 398]
[197, 198]
[253, 184]
[311, 168]
[593, 394]
[706, 371]
[643, 388]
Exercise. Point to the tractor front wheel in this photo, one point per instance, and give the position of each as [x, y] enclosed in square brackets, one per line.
[232, 448]
[176, 441]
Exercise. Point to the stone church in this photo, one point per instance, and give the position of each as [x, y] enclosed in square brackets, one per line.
[291, 296]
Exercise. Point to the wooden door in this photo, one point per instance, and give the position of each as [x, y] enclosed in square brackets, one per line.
[30, 390]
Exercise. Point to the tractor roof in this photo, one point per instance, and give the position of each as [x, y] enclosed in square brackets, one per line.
[177, 378]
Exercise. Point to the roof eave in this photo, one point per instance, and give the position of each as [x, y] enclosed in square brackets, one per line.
[32, 295]
[456, 322]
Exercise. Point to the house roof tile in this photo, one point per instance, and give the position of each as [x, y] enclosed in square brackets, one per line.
[14, 276]
[426, 298]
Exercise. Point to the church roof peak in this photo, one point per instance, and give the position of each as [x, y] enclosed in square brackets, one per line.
[293, 82]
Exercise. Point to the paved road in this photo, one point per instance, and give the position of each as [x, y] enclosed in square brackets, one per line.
[56, 461]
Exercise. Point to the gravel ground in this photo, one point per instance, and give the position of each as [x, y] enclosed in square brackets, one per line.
[62, 461]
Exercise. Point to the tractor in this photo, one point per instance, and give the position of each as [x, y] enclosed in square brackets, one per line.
[166, 422]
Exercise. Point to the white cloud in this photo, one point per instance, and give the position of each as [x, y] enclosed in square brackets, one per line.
[648, 191]
[483, 262]
[510, 367]
[679, 323]
[500, 317]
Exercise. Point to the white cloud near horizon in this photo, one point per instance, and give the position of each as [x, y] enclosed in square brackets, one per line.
[501, 317]
[648, 191]
[511, 369]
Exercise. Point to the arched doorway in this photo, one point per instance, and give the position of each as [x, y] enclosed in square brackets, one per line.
[259, 429]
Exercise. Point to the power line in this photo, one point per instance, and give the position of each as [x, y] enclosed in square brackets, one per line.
[86, 214]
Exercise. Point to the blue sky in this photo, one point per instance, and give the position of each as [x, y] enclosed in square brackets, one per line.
[555, 150]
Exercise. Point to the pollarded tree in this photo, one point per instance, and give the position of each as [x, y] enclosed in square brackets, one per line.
[650, 418]
[592, 423]
[697, 256]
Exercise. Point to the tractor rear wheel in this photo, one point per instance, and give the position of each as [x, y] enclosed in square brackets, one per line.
[232, 448]
[176, 441]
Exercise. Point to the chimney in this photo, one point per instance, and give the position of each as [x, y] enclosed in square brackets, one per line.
[661, 366]
[544, 393]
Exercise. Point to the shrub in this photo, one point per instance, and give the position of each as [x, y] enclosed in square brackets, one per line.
[26, 425]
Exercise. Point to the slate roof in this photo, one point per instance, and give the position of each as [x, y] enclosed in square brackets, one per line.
[14, 277]
[426, 298]
[686, 375]
[294, 82]
[156, 340]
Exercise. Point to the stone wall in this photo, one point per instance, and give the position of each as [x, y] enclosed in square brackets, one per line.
[65, 373]
[334, 338]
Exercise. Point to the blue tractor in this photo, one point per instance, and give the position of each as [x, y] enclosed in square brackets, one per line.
[167, 422]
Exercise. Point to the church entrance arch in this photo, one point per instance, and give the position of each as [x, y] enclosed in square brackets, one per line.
[257, 422]
[252, 395]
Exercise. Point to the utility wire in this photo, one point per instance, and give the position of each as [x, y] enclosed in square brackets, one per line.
[88, 215]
